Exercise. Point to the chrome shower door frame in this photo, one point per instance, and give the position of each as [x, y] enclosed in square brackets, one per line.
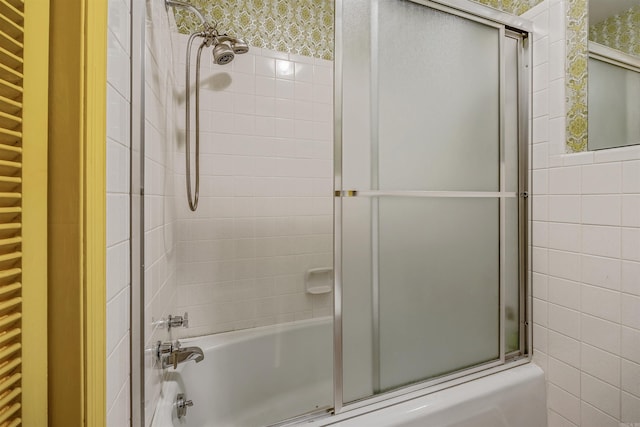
[509, 26]
[137, 246]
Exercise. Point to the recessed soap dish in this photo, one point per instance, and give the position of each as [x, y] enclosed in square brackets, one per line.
[319, 280]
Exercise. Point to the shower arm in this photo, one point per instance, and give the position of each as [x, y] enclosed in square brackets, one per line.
[191, 8]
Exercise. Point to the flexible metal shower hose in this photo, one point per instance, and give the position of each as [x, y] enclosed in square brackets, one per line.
[192, 197]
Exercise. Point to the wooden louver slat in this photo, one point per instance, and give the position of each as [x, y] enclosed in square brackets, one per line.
[10, 381]
[13, 423]
[8, 397]
[18, 14]
[9, 411]
[8, 320]
[9, 335]
[10, 40]
[9, 366]
[11, 23]
[11, 122]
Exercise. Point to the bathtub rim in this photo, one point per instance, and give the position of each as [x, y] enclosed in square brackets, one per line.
[221, 339]
[326, 417]
[396, 397]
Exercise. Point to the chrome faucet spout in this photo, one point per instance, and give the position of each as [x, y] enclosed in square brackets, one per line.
[171, 354]
[190, 353]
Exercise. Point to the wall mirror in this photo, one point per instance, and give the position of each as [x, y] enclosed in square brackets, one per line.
[614, 73]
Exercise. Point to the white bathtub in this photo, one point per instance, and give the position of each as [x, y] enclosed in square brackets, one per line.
[261, 376]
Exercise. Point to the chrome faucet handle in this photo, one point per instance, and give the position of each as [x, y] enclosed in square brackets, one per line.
[168, 352]
[163, 348]
[172, 321]
[176, 321]
[182, 404]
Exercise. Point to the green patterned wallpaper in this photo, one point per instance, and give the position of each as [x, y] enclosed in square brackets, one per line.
[576, 75]
[303, 27]
[621, 32]
[514, 7]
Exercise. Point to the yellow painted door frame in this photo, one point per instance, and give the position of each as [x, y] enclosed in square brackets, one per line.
[77, 213]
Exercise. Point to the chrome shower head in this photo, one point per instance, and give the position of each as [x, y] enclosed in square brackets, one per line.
[222, 54]
[239, 46]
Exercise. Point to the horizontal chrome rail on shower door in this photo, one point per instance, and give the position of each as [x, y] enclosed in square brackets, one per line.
[446, 194]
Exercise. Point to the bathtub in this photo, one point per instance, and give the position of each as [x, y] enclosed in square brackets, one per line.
[261, 376]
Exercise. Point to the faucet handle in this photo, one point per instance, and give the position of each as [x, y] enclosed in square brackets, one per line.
[176, 321]
[185, 320]
[172, 321]
[167, 353]
[182, 404]
[163, 348]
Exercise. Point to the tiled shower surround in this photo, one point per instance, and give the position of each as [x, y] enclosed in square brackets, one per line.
[586, 255]
[265, 211]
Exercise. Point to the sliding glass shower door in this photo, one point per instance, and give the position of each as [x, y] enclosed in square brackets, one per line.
[429, 205]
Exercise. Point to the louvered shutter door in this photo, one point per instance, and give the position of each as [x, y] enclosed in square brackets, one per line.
[11, 88]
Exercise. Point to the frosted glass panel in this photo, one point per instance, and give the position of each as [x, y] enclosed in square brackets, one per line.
[614, 106]
[438, 93]
[512, 277]
[511, 111]
[357, 298]
[439, 286]
[356, 94]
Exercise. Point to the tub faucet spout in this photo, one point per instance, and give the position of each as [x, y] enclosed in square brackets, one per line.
[171, 354]
[186, 354]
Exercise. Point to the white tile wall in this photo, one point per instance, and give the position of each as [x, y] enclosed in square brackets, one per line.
[586, 253]
[118, 148]
[265, 212]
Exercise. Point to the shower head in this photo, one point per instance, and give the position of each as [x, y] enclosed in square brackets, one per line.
[222, 53]
[239, 46]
